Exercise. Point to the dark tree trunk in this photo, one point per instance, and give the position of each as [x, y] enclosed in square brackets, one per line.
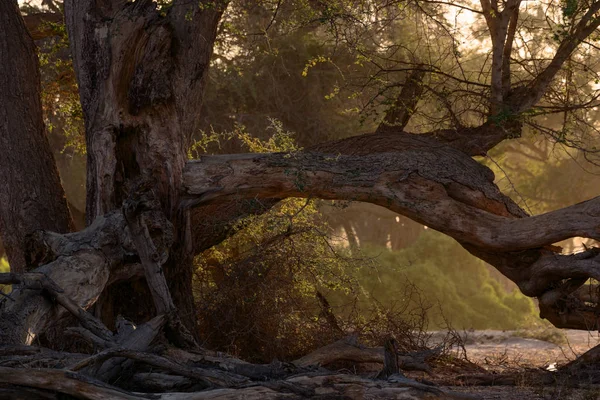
[31, 196]
[141, 76]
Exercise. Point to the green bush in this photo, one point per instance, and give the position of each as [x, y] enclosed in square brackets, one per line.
[4, 267]
[449, 277]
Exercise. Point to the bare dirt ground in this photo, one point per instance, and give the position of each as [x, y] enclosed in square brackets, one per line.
[491, 347]
[506, 351]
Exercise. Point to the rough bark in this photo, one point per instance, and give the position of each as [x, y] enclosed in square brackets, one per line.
[31, 196]
[141, 76]
[405, 105]
[80, 263]
[435, 185]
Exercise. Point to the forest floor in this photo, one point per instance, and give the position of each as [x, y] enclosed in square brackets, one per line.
[509, 351]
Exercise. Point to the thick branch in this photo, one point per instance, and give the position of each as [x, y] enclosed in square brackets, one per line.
[38, 281]
[64, 382]
[405, 105]
[439, 187]
[497, 23]
[206, 376]
[82, 270]
[432, 184]
[142, 209]
[508, 45]
[144, 215]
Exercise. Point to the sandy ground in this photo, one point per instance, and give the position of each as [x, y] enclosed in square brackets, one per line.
[490, 347]
[502, 351]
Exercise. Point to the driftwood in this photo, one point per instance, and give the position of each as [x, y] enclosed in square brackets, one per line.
[348, 350]
[192, 375]
[297, 387]
[126, 369]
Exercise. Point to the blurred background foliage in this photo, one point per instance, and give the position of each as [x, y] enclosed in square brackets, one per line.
[290, 74]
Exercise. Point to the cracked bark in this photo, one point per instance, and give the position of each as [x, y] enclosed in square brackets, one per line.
[139, 117]
[435, 185]
[141, 76]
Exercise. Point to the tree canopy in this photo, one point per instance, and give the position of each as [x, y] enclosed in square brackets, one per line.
[426, 108]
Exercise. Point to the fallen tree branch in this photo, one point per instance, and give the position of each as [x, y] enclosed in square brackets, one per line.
[167, 374]
[66, 382]
[347, 350]
[40, 281]
[143, 211]
[82, 270]
[209, 377]
[140, 339]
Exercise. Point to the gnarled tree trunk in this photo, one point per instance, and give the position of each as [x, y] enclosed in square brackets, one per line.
[141, 73]
[141, 76]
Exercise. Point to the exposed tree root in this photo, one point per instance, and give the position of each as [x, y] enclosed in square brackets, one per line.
[127, 369]
[193, 382]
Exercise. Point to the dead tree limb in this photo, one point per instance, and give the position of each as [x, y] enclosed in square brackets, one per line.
[405, 105]
[139, 340]
[144, 215]
[40, 281]
[66, 382]
[209, 377]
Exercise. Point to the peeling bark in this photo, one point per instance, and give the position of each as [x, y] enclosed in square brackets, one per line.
[141, 76]
[80, 263]
[435, 185]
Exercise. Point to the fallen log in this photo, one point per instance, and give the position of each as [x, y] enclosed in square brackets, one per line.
[348, 350]
[66, 382]
[299, 387]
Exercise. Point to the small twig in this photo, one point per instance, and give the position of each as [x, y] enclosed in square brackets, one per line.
[6, 295]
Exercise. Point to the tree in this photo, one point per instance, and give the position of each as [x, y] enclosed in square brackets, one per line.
[141, 69]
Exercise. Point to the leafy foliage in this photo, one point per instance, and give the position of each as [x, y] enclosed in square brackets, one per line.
[60, 95]
[256, 292]
[448, 276]
[4, 267]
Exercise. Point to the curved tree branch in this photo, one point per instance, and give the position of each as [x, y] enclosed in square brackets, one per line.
[433, 184]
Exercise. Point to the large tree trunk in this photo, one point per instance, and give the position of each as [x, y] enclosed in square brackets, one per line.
[141, 77]
[31, 196]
